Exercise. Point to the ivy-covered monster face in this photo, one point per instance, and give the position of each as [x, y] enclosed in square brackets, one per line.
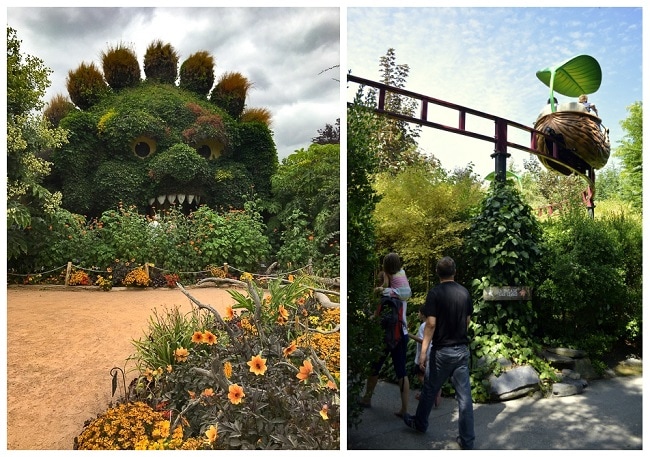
[154, 145]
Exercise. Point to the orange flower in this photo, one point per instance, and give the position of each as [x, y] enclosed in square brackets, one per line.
[290, 349]
[230, 313]
[332, 385]
[209, 392]
[181, 354]
[197, 337]
[290, 278]
[227, 369]
[235, 394]
[323, 412]
[258, 365]
[209, 338]
[305, 370]
[284, 314]
[192, 394]
[169, 369]
[211, 433]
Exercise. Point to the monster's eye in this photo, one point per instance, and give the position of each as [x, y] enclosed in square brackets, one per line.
[143, 147]
[209, 149]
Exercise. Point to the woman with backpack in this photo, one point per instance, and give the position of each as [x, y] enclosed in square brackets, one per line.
[395, 285]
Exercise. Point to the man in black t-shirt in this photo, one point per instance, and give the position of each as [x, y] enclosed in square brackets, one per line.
[448, 309]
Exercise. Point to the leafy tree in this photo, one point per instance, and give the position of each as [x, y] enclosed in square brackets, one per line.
[306, 189]
[331, 134]
[362, 154]
[397, 138]
[631, 154]
[608, 183]
[29, 134]
[431, 208]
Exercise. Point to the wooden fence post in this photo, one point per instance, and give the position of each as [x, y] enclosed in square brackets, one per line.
[67, 274]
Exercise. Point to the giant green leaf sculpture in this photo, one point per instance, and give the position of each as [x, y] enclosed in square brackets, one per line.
[573, 77]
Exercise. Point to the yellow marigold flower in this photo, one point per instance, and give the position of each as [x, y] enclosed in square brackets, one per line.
[323, 412]
[230, 313]
[227, 369]
[283, 312]
[258, 365]
[305, 370]
[290, 349]
[197, 337]
[211, 433]
[235, 394]
[181, 354]
[209, 392]
[246, 277]
[209, 338]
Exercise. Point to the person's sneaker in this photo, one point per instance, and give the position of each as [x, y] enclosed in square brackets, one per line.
[410, 422]
[460, 444]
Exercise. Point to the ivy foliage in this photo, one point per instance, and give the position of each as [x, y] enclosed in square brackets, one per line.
[503, 247]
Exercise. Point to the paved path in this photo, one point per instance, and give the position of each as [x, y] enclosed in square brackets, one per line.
[607, 415]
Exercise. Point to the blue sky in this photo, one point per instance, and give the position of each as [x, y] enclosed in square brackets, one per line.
[486, 59]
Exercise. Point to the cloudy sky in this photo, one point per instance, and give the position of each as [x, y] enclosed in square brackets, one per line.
[285, 52]
[486, 59]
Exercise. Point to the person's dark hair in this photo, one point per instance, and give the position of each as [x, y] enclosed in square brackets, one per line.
[446, 267]
[422, 308]
[392, 264]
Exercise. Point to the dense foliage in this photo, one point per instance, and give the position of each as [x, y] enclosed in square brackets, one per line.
[590, 296]
[306, 191]
[631, 154]
[30, 206]
[264, 375]
[363, 338]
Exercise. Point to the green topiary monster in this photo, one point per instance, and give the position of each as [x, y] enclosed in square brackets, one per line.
[152, 143]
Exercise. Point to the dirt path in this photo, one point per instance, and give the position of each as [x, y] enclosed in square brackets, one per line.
[61, 345]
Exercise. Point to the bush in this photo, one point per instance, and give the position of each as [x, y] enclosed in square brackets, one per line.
[584, 292]
[255, 373]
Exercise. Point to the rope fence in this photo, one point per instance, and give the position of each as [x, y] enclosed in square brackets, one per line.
[70, 268]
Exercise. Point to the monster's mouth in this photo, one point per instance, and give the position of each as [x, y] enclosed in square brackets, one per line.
[175, 199]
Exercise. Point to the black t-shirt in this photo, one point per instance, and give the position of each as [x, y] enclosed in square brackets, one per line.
[450, 303]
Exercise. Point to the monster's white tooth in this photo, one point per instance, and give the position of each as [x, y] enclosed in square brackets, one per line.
[181, 198]
[190, 199]
[171, 198]
[198, 199]
[161, 199]
[151, 200]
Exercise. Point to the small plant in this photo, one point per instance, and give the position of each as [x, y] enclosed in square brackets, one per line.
[137, 426]
[171, 280]
[105, 284]
[137, 277]
[79, 278]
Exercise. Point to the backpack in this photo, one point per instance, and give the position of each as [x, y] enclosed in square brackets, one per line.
[390, 320]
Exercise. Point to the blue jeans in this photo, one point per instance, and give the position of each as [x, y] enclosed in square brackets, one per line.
[444, 363]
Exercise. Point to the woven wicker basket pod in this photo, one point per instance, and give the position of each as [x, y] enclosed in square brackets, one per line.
[581, 134]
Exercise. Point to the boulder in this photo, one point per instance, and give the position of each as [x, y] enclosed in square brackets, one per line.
[586, 370]
[518, 381]
[567, 388]
[566, 352]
